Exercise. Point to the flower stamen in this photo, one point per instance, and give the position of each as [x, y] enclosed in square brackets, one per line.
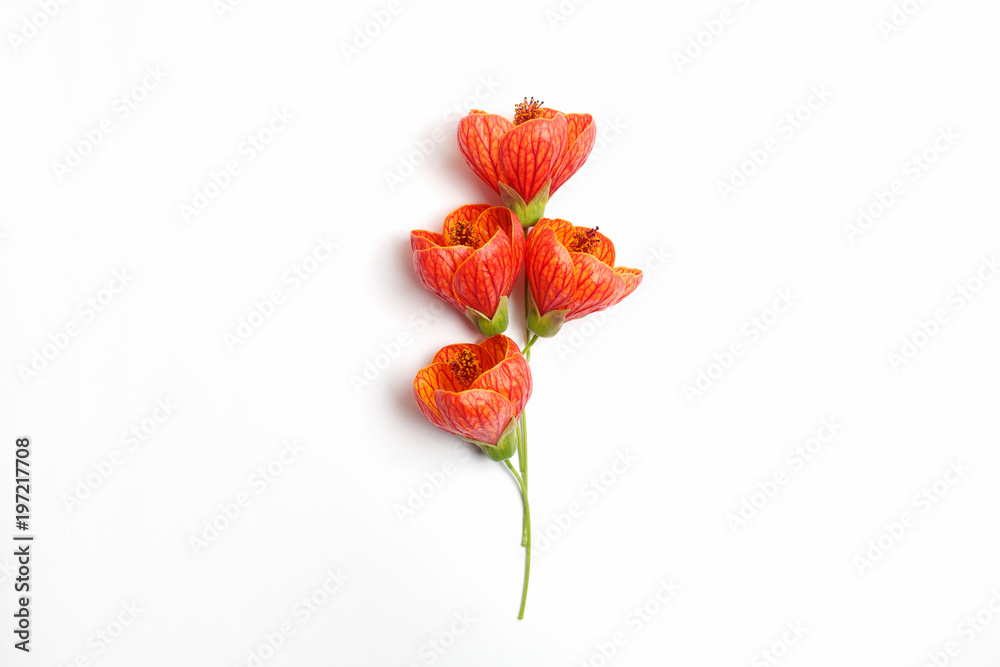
[525, 111]
[465, 366]
[464, 233]
[584, 240]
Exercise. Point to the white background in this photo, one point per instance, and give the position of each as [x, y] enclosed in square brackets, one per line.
[609, 385]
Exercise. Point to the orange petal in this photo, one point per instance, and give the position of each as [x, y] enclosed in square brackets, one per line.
[500, 347]
[597, 286]
[428, 380]
[479, 140]
[422, 240]
[487, 275]
[483, 356]
[477, 414]
[501, 217]
[529, 153]
[604, 249]
[580, 139]
[466, 213]
[548, 267]
[436, 268]
[510, 378]
[631, 277]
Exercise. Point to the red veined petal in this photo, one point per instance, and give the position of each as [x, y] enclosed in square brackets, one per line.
[477, 414]
[549, 268]
[436, 268]
[597, 286]
[581, 136]
[486, 275]
[510, 378]
[479, 140]
[429, 380]
[529, 153]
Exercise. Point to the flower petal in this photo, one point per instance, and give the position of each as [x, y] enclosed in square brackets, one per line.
[549, 268]
[487, 275]
[631, 277]
[483, 356]
[604, 249]
[500, 347]
[422, 240]
[467, 213]
[510, 378]
[479, 140]
[597, 286]
[429, 380]
[581, 135]
[501, 217]
[477, 414]
[436, 268]
[530, 152]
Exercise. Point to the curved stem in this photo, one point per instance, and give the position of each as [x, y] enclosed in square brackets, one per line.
[531, 341]
[527, 550]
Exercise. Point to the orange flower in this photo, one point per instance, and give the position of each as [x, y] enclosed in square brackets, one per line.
[477, 392]
[473, 264]
[529, 159]
[571, 273]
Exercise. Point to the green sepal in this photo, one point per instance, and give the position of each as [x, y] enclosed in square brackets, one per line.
[490, 327]
[505, 447]
[528, 214]
[545, 326]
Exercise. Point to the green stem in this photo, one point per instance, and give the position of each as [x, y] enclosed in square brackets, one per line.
[527, 348]
[527, 551]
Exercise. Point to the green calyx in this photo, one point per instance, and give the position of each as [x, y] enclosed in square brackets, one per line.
[547, 325]
[530, 213]
[486, 325]
[506, 445]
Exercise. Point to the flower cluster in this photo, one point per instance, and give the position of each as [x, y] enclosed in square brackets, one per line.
[478, 391]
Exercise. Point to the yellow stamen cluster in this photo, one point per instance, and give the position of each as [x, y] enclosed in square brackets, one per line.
[464, 233]
[465, 366]
[584, 240]
[526, 110]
